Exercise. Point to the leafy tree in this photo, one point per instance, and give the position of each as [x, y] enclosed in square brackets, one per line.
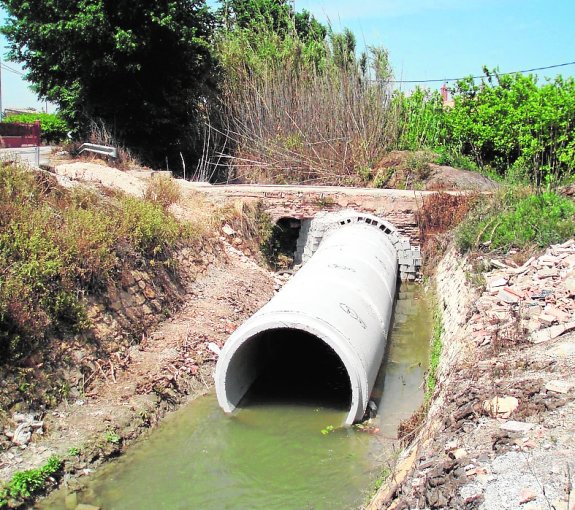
[421, 119]
[511, 123]
[143, 68]
[508, 124]
[275, 15]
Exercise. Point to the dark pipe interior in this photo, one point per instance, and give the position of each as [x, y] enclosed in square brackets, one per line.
[296, 367]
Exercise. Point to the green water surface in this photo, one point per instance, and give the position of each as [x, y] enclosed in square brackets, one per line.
[269, 456]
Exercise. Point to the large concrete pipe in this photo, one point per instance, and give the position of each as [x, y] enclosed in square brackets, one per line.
[341, 301]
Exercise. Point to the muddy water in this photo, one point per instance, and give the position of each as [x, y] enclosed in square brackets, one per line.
[270, 456]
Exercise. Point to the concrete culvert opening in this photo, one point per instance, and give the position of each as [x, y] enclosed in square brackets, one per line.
[290, 366]
[341, 298]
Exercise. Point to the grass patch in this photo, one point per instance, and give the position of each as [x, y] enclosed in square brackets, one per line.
[163, 190]
[380, 480]
[517, 218]
[434, 355]
[24, 484]
[112, 437]
[57, 245]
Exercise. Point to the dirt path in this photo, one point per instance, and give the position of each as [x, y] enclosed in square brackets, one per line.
[172, 365]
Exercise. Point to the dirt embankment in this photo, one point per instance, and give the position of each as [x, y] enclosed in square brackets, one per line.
[172, 364]
[155, 336]
[419, 170]
[499, 433]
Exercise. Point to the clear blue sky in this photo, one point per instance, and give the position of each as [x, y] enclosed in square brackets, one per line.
[433, 39]
[436, 39]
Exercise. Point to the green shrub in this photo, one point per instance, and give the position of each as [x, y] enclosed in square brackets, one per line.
[26, 483]
[516, 218]
[53, 127]
[163, 190]
[449, 157]
[510, 121]
[57, 245]
[421, 119]
[147, 226]
[418, 163]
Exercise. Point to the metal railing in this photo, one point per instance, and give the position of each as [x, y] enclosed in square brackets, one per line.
[99, 149]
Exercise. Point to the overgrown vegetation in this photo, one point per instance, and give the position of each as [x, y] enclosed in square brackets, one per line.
[57, 245]
[421, 119]
[163, 190]
[439, 213]
[143, 68]
[269, 94]
[25, 484]
[299, 104]
[434, 355]
[517, 218]
[53, 127]
[506, 125]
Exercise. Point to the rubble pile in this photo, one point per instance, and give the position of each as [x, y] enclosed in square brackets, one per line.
[500, 431]
[535, 301]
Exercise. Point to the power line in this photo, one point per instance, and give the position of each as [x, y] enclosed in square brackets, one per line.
[483, 76]
[7, 68]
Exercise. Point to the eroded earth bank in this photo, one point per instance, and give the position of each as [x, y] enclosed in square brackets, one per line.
[501, 425]
[171, 365]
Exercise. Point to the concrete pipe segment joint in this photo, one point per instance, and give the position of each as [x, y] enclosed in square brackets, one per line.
[343, 297]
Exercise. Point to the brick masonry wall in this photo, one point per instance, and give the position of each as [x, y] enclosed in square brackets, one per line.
[313, 231]
[398, 207]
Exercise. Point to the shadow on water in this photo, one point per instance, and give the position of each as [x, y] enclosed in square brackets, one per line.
[271, 453]
[398, 391]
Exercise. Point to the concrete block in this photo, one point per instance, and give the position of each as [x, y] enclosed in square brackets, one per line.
[404, 244]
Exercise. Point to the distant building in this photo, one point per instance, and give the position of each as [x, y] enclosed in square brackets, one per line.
[8, 112]
[447, 103]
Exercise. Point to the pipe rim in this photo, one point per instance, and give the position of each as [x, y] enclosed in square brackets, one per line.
[319, 329]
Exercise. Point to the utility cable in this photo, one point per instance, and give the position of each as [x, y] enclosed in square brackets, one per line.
[483, 76]
[7, 68]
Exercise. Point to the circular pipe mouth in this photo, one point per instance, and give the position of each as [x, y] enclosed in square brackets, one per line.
[288, 363]
[293, 367]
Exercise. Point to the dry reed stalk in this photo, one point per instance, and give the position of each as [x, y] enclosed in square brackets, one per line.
[303, 127]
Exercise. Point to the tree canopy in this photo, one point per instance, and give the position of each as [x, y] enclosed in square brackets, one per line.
[275, 15]
[143, 68]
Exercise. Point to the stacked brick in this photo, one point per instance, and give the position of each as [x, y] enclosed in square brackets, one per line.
[313, 231]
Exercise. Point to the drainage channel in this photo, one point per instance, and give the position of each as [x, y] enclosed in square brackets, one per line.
[271, 453]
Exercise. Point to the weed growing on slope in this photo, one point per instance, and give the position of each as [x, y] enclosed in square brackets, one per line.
[434, 356]
[57, 245]
[26, 483]
[112, 437]
[516, 218]
[163, 190]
